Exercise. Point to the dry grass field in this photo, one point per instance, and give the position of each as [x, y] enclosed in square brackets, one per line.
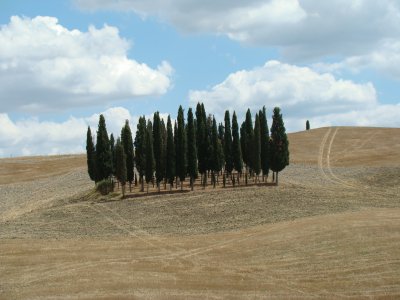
[331, 229]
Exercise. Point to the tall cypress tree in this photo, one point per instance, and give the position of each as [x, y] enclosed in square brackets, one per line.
[236, 148]
[157, 143]
[221, 133]
[249, 132]
[140, 149]
[264, 135]
[257, 147]
[201, 138]
[228, 144]
[112, 148]
[217, 151]
[181, 159]
[120, 167]
[127, 143]
[192, 148]
[176, 152]
[163, 166]
[149, 154]
[90, 155]
[308, 125]
[170, 161]
[103, 151]
[279, 144]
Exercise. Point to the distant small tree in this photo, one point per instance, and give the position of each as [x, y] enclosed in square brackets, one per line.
[149, 154]
[279, 144]
[236, 149]
[192, 149]
[103, 151]
[91, 155]
[170, 161]
[127, 143]
[308, 125]
[120, 167]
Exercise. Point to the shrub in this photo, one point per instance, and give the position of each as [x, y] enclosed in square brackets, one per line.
[104, 187]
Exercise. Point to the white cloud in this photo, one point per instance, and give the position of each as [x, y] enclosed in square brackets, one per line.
[45, 66]
[302, 93]
[302, 29]
[35, 137]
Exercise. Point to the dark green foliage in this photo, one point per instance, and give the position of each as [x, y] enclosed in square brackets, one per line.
[163, 150]
[120, 167]
[181, 159]
[170, 161]
[279, 144]
[221, 133]
[217, 151]
[191, 147]
[248, 140]
[127, 143]
[90, 155]
[149, 152]
[158, 148]
[308, 125]
[104, 186]
[256, 147]
[236, 148]
[103, 152]
[112, 148]
[228, 155]
[201, 137]
[140, 148]
[264, 136]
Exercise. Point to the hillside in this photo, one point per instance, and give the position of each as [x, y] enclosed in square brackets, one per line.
[330, 230]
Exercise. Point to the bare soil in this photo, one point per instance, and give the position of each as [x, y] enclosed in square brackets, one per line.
[330, 229]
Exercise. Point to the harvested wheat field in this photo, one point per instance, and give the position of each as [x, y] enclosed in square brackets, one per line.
[330, 229]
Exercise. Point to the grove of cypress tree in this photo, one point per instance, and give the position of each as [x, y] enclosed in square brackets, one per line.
[308, 125]
[228, 144]
[279, 144]
[103, 151]
[181, 159]
[149, 154]
[236, 148]
[127, 143]
[256, 147]
[157, 144]
[264, 135]
[120, 167]
[140, 150]
[192, 148]
[91, 155]
[170, 161]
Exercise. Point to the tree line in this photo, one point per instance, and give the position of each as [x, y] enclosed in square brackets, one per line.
[197, 147]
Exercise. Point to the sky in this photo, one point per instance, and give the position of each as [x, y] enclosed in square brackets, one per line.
[65, 62]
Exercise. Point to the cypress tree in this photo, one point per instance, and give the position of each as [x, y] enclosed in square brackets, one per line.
[120, 167]
[164, 152]
[103, 151]
[279, 144]
[217, 151]
[257, 147]
[176, 153]
[192, 148]
[170, 161]
[308, 125]
[112, 148]
[140, 150]
[249, 132]
[157, 143]
[236, 148]
[264, 135]
[181, 159]
[228, 144]
[127, 143]
[90, 155]
[149, 154]
[201, 138]
[221, 133]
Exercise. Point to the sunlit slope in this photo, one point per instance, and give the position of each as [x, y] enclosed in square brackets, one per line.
[347, 146]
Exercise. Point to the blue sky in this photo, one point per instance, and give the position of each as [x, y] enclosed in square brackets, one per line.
[333, 63]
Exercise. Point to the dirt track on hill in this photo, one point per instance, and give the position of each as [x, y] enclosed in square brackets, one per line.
[331, 229]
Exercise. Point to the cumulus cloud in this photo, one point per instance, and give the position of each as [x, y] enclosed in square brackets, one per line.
[45, 66]
[302, 93]
[35, 137]
[302, 29]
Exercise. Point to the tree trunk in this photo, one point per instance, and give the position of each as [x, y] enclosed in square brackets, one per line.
[123, 191]
[277, 178]
[147, 188]
[273, 176]
[191, 183]
[159, 186]
[142, 184]
[224, 179]
[181, 185]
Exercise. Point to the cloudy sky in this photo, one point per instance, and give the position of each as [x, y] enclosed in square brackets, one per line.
[64, 62]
